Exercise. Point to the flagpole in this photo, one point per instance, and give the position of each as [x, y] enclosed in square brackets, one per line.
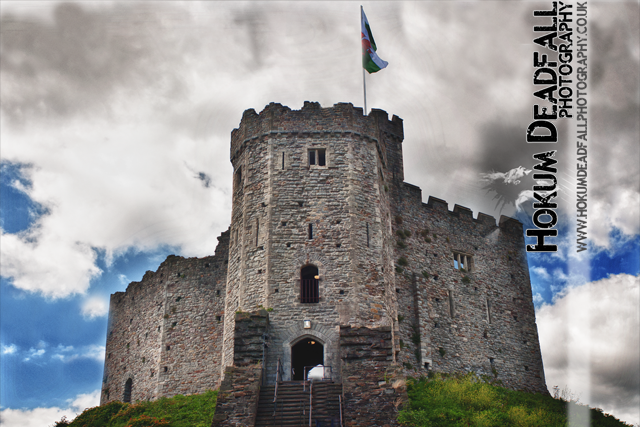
[364, 82]
[364, 86]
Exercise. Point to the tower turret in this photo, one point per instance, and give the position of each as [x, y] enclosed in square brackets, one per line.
[310, 223]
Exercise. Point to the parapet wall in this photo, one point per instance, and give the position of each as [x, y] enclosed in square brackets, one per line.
[165, 332]
[313, 119]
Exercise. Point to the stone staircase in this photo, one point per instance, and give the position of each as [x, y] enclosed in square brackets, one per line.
[292, 408]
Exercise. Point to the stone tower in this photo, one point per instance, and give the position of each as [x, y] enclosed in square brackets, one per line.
[311, 225]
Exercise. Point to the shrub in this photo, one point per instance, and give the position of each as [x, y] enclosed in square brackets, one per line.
[196, 410]
[402, 261]
[147, 421]
[98, 416]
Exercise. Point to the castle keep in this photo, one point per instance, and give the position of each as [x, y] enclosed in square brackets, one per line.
[330, 258]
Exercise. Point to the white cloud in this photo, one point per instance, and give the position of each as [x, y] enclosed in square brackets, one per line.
[537, 298]
[9, 349]
[131, 151]
[35, 353]
[45, 417]
[95, 307]
[37, 417]
[541, 272]
[86, 400]
[95, 352]
[589, 340]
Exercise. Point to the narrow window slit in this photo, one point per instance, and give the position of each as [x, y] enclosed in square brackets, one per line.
[367, 234]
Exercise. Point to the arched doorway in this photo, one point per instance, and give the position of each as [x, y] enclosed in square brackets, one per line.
[306, 352]
[127, 391]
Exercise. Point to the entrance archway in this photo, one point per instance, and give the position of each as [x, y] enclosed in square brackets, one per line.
[306, 352]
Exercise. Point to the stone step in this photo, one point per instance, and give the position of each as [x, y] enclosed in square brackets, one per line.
[293, 404]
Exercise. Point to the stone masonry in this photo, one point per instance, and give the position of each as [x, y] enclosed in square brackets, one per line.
[165, 332]
[322, 190]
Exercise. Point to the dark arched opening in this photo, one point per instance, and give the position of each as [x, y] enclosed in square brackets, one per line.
[127, 391]
[309, 281]
[306, 353]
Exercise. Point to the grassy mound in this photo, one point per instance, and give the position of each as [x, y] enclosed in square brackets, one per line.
[179, 411]
[468, 401]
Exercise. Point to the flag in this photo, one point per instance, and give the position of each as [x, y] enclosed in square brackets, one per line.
[370, 59]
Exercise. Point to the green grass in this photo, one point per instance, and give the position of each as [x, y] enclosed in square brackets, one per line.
[468, 401]
[179, 411]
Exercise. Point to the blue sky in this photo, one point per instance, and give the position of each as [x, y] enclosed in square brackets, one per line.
[115, 129]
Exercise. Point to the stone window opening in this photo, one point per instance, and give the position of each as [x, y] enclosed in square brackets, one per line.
[257, 230]
[128, 386]
[166, 369]
[426, 366]
[310, 231]
[237, 182]
[283, 160]
[451, 307]
[462, 262]
[318, 157]
[309, 284]
[368, 235]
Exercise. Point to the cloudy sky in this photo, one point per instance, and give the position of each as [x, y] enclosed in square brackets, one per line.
[115, 126]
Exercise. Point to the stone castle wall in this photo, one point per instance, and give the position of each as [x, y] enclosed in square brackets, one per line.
[480, 318]
[385, 264]
[165, 332]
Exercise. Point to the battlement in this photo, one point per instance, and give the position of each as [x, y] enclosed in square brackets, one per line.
[312, 119]
[506, 223]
